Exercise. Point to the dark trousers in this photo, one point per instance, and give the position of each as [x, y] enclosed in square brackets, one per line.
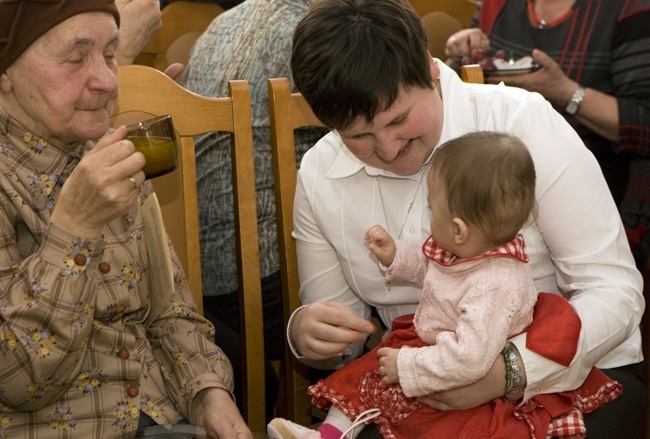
[225, 308]
[223, 312]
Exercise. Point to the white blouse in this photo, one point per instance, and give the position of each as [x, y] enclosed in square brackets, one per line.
[576, 245]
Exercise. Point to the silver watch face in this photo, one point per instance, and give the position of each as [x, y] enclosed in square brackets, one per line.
[573, 105]
[571, 108]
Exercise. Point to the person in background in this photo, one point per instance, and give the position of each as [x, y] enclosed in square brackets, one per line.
[364, 69]
[140, 20]
[477, 290]
[251, 41]
[594, 67]
[77, 359]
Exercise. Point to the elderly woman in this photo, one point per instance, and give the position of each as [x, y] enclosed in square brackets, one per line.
[76, 357]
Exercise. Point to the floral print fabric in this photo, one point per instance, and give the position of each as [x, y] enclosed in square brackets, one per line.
[75, 359]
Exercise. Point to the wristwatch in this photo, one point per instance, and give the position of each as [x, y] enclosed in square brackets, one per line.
[574, 104]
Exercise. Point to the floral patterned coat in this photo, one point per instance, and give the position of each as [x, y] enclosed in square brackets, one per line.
[75, 357]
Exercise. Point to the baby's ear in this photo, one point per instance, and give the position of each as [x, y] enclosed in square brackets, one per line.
[461, 231]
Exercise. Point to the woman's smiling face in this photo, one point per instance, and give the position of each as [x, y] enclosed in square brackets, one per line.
[400, 138]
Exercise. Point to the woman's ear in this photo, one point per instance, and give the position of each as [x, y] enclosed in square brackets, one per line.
[461, 231]
[5, 83]
[435, 70]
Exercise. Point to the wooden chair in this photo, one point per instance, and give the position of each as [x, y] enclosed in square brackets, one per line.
[179, 50]
[472, 73]
[289, 111]
[147, 90]
[178, 18]
[439, 26]
[462, 10]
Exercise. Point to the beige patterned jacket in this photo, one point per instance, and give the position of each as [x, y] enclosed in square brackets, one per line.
[75, 359]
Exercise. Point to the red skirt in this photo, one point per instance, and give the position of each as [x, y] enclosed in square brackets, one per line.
[357, 387]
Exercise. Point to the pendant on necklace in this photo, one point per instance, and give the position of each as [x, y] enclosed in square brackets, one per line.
[408, 211]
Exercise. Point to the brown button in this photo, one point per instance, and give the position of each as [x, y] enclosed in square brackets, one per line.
[104, 267]
[80, 259]
[117, 318]
[123, 354]
[133, 391]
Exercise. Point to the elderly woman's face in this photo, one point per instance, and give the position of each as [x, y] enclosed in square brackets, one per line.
[65, 84]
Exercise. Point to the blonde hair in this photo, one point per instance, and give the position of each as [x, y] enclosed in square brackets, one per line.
[489, 180]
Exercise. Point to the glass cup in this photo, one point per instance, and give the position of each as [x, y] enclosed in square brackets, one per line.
[157, 141]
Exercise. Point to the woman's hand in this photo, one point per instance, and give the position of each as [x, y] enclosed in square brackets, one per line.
[323, 330]
[484, 390]
[214, 410]
[598, 112]
[174, 71]
[463, 42]
[549, 80]
[103, 186]
[139, 20]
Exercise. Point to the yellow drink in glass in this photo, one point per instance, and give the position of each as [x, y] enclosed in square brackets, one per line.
[156, 140]
[160, 153]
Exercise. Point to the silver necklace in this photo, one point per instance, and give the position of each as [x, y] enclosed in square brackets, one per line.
[408, 211]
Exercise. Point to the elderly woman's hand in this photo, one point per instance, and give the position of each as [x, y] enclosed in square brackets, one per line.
[214, 410]
[139, 20]
[103, 186]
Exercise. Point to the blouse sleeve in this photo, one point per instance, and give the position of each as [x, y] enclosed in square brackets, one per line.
[183, 342]
[580, 229]
[410, 264]
[43, 331]
[320, 271]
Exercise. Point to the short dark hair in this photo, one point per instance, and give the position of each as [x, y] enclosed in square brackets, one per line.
[489, 180]
[350, 57]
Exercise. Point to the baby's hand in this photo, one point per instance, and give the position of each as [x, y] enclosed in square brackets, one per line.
[388, 365]
[381, 244]
[376, 234]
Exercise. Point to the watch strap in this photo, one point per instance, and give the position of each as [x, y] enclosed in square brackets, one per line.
[573, 105]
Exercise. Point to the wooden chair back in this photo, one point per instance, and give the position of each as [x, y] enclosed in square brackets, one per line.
[289, 111]
[472, 73]
[439, 26]
[179, 50]
[147, 90]
[462, 10]
[178, 18]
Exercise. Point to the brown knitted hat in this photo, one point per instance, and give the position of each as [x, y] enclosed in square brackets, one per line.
[23, 21]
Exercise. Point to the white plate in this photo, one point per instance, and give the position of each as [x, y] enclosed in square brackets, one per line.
[513, 67]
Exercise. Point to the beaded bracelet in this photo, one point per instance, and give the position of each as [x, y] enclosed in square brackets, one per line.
[514, 380]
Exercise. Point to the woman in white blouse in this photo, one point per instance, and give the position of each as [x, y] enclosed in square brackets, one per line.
[363, 67]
